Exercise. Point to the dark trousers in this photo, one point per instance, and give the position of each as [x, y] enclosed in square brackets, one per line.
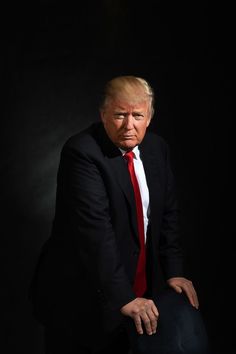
[180, 331]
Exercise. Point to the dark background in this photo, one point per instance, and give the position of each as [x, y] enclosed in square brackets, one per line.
[56, 59]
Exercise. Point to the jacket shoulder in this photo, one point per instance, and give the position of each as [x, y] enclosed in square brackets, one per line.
[154, 142]
[84, 141]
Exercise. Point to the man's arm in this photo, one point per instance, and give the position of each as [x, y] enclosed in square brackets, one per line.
[83, 193]
[170, 248]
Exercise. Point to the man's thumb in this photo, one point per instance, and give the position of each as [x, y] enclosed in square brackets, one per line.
[178, 289]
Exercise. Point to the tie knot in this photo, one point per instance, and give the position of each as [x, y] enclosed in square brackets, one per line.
[129, 155]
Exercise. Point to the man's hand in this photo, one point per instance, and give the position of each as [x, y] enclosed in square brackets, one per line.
[180, 284]
[143, 312]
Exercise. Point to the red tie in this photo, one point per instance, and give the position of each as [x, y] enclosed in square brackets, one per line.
[140, 283]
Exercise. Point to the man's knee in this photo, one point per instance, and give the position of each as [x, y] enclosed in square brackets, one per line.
[180, 329]
[182, 324]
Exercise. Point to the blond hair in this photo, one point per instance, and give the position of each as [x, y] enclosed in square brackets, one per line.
[128, 87]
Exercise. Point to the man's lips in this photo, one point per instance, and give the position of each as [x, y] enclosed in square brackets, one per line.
[127, 136]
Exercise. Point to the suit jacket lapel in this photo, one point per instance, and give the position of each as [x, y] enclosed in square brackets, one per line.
[122, 176]
[118, 165]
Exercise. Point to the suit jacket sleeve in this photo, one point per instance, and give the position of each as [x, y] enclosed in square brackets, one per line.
[171, 256]
[83, 194]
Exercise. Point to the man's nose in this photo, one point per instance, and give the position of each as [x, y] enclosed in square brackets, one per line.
[129, 122]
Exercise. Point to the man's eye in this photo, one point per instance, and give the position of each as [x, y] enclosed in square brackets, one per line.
[138, 116]
[119, 116]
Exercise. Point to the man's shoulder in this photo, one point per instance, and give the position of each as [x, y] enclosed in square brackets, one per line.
[155, 137]
[154, 142]
[83, 139]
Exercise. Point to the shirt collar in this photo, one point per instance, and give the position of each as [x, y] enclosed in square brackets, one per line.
[135, 151]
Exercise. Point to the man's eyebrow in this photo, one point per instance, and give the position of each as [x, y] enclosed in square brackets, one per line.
[119, 108]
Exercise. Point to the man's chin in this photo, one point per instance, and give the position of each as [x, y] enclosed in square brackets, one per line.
[127, 145]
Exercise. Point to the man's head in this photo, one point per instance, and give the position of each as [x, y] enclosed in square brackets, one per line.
[127, 110]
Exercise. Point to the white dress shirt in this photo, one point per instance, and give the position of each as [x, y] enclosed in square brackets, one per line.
[140, 174]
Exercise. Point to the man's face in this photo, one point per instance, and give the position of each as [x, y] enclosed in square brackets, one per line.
[126, 122]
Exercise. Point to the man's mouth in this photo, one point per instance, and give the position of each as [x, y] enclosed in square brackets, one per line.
[128, 136]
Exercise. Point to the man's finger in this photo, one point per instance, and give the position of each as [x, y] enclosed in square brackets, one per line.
[194, 298]
[138, 324]
[153, 320]
[192, 295]
[147, 323]
[155, 311]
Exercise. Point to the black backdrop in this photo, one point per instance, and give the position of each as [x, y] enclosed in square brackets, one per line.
[56, 59]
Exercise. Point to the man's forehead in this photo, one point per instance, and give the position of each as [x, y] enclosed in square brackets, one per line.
[130, 105]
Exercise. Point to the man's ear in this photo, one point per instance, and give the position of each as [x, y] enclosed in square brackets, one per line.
[102, 115]
[149, 121]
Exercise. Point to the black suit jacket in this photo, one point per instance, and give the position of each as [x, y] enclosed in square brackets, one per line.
[87, 266]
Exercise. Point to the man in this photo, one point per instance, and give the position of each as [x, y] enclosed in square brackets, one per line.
[97, 287]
